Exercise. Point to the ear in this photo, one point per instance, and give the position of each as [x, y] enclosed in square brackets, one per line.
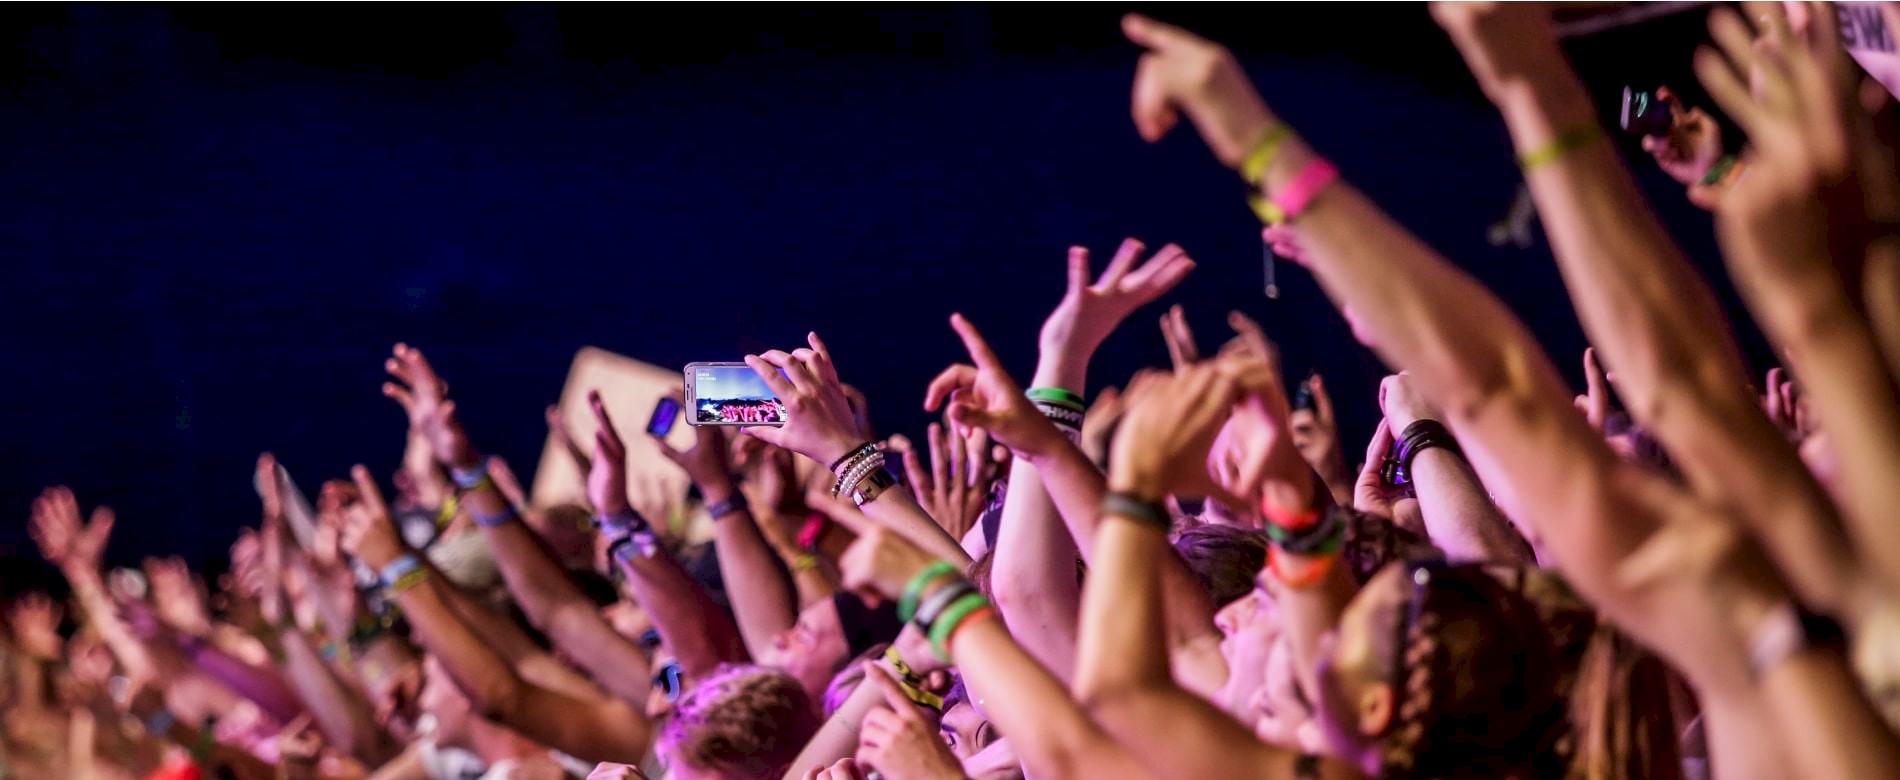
[1375, 709]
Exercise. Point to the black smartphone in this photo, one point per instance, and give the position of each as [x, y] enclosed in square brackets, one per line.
[1303, 396]
[1645, 114]
[665, 413]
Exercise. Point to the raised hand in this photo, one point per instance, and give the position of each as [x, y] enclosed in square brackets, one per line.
[1403, 404]
[63, 539]
[367, 534]
[819, 421]
[1502, 43]
[880, 562]
[708, 462]
[1693, 145]
[505, 481]
[1182, 351]
[898, 740]
[425, 397]
[1088, 312]
[954, 485]
[1595, 401]
[985, 396]
[1316, 433]
[1371, 494]
[607, 477]
[1816, 171]
[1184, 73]
[1100, 421]
[1162, 445]
[34, 619]
[177, 597]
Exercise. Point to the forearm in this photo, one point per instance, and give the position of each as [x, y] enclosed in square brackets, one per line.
[1833, 352]
[1122, 640]
[262, 686]
[1076, 486]
[762, 594]
[89, 591]
[1310, 614]
[489, 682]
[1032, 575]
[1054, 736]
[1642, 304]
[695, 629]
[898, 510]
[346, 719]
[838, 737]
[1460, 517]
[556, 605]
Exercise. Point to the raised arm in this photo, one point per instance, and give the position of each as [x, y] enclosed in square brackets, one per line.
[600, 729]
[821, 425]
[543, 588]
[1032, 576]
[1122, 674]
[1780, 232]
[764, 599]
[1054, 737]
[1472, 358]
[1652, 318]
[1460, 517]
[983, 395]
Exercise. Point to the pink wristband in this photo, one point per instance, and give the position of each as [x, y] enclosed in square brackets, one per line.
[1312, 179]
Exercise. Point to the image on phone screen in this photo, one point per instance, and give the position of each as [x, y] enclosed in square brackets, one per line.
[731, 394]
[665, 413]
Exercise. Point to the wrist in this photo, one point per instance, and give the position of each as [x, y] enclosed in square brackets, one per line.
[1062, 365]
[1136, 483]
[717, 491]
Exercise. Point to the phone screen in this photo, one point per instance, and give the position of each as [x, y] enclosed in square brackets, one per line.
[664, 414]
[731, 394]
[1645, 114]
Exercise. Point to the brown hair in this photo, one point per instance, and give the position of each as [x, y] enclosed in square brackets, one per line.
[1224, 559]
[741, 721]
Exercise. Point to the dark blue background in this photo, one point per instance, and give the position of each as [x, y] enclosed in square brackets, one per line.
[217, 219]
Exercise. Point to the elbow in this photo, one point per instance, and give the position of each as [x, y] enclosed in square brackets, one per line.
[1106, 700]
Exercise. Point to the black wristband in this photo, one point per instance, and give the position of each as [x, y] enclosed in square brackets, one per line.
[869, 445]
[1150, 513]
[1420, 436]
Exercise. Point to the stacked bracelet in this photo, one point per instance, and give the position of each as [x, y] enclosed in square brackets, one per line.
[1291, 201]
[907, 604]
[944, 611]
[470, 478]
[1149, 513]
[858, 451]
[1263, 152]
[1316, 546]
[1418, 437]
[861, 475]
[401, 574]
[1062, 407]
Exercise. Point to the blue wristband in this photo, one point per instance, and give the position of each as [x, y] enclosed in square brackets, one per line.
[469, 479]
[160, 723]
[503, 517]
[621, 523]
[397, 569]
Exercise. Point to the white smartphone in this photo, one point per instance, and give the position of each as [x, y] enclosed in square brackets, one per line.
[730, 394]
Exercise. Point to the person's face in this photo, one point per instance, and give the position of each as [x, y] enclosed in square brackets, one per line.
[812, 648]
[1356, 700]
[1249, 628]
[967, 732]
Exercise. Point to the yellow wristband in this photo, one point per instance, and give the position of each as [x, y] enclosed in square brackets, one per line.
[1573, 139]
[1263, 152]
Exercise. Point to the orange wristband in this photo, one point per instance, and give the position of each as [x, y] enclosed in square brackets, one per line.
[1306, 573]
[977, 616]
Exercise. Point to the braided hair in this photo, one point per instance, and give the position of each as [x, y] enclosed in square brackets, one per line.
[1477, 682]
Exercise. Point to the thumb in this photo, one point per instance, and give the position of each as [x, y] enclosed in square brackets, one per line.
[1153, 112]
[770, 434]
[967, 416]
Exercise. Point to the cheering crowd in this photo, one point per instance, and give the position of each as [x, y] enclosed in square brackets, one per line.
[767, 411]
[1679, 572]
